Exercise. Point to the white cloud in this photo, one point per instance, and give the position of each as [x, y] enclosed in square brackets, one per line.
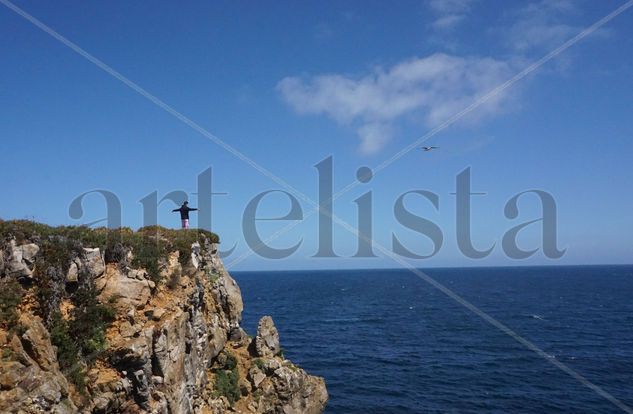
[436, 87]
[447, 22]
[539, 25]
[449, 12]
[433, 88]
[450, 6]
[373, 137]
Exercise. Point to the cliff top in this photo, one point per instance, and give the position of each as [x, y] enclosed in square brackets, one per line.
[30, 231]
[150, 244]
[147, 321]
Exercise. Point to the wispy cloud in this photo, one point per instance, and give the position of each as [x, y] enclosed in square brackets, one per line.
[435, 87]
[540, 25]
[449, 12]
[432, 88]
[447, 22]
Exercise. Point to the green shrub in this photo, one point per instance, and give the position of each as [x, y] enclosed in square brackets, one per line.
[67, 351]
[226, 380]
[258, 394]
[89, 321]
[226, 385]
[149, 244]
[114, 298]
[7, 353]
[81, 339]
[77, 376]
[231, 362]
[10, 297]
[213, 276]
[147, 254]
[57, 252]
[259, 364]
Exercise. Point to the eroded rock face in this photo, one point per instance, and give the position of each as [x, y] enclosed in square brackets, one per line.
[294, 392]
[30, 380]
[162, 347]
[21, 260]
[284, 387]
[267, 339]
[91, 263]
[130, 288]
[227, 292]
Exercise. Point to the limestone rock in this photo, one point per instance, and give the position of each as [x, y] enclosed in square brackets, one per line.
[226, 291]
[20, 260]
[130, 289]
[256, 376]
[230, 298]
[73, 273]
[291, 390]
[29, 251]
[93, 262]
[267, 339]
[133, 353]
[127, 330]
[270, 365]
[205, 256]
[162, 346]
[245, 386]
[196, 256]
[238, 335]
[30, 380]
[158, 313]
[37, 342]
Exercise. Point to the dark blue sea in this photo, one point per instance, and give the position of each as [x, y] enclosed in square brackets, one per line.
[388, 342]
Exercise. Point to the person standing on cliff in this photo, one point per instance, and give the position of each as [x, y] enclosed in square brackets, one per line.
[184, 214]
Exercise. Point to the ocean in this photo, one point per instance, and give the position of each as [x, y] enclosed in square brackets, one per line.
[387, 342]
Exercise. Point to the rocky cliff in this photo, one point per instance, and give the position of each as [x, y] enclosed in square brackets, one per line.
[115, 321]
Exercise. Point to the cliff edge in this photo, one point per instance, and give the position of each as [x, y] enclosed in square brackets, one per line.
[117, 321]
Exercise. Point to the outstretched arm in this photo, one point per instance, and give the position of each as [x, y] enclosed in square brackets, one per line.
[176, 209]
[193, 209]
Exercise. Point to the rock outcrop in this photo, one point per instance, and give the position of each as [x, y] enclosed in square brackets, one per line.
[30, 379]
[172, 344]
[285, 388]
[267, 339]
[20, 260]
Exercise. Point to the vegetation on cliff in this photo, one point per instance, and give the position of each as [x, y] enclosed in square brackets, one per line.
[10, 297]
[99, 320]
[150, 244]
[80, 335]
[226, 378]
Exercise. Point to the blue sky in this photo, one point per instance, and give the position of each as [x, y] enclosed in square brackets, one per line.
[289, 84]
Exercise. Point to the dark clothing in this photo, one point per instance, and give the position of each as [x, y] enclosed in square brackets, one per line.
[184, 212]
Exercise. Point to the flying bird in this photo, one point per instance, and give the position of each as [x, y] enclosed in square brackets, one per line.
[427, 149]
